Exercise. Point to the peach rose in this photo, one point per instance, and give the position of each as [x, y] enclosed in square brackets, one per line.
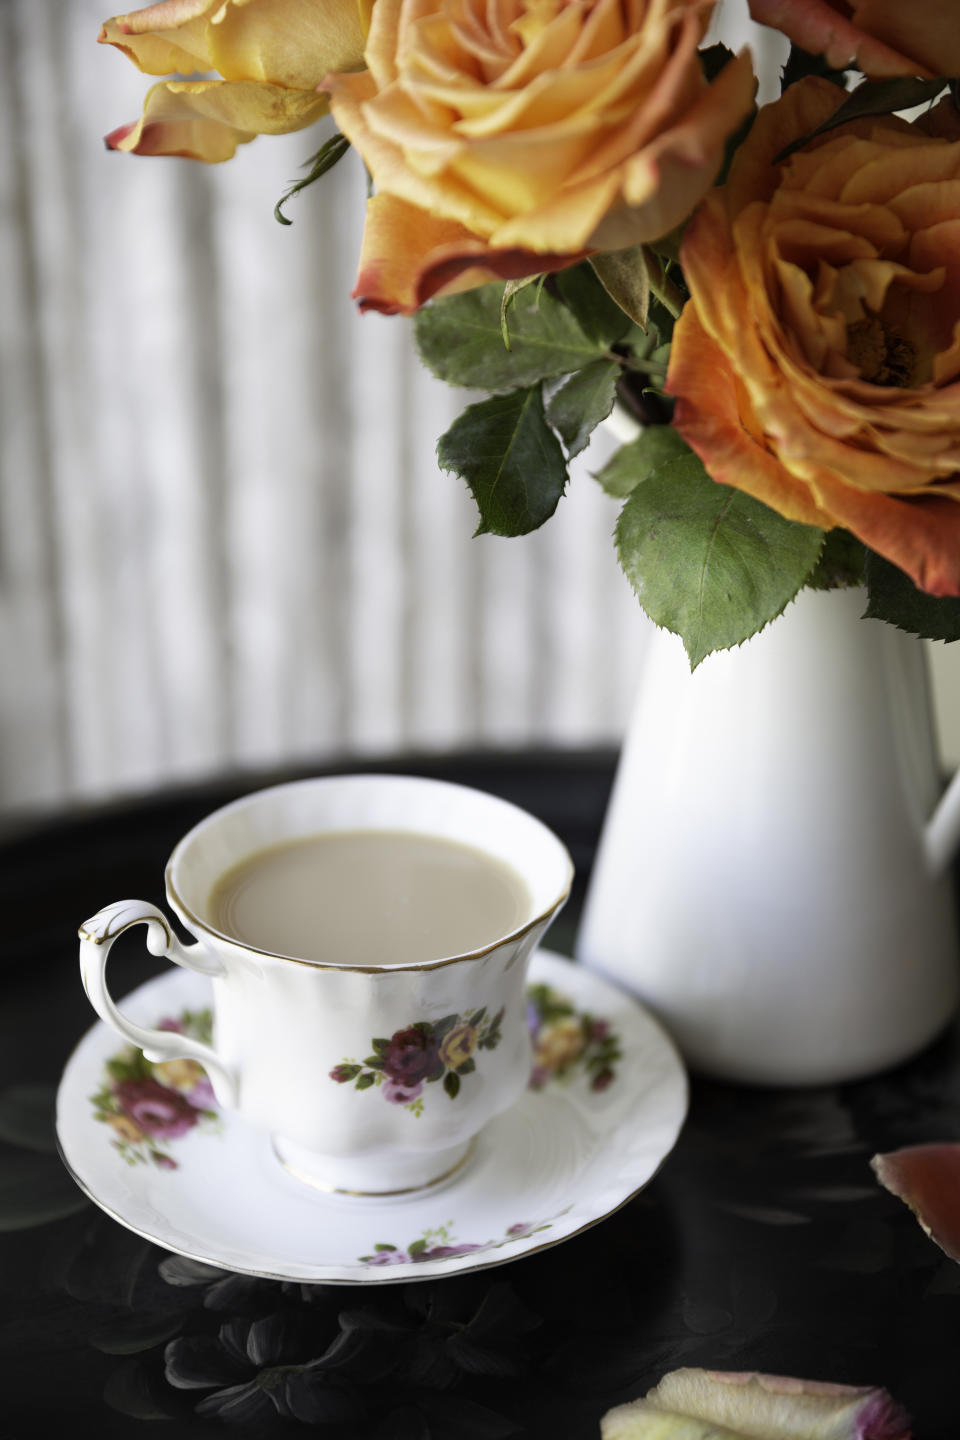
[272, 54]
[511, 138]
[879, 37]
[817, 364]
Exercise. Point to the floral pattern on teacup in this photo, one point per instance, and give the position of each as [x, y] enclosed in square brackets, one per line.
[567, 1041]
[147, 1105]
[421, 1054]
[440, 1244]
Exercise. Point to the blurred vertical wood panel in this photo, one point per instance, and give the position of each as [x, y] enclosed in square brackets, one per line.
[226, 540]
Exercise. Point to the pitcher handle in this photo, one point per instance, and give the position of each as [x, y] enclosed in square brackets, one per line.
[96, 939]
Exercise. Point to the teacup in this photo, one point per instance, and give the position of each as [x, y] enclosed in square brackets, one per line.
[373, 1075]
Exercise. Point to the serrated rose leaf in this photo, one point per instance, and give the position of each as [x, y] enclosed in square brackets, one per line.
[510, 458]
[460, 339]
[708, 562]
[927, 1178]
[579, 403]
[893, 597]
[597, 313]
[725, 1405]
[636, 461]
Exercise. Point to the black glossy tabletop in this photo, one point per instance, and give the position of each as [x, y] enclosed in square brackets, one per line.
[764, 1243]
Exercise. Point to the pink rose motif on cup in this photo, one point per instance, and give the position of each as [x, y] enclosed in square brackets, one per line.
[421, 1054]
[147, 1105]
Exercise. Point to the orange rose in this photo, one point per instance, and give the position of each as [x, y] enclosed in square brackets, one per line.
[272, 55]
[817, 365]
[511, 138]
[879, 37]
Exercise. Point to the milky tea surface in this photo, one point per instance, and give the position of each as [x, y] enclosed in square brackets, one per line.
[370, 897]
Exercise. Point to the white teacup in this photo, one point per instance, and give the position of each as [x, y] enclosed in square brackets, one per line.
[296, 1042]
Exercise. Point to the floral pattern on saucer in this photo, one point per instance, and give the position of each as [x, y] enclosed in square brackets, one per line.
[148, 1105]
[440, 1244]
[422, 1053]
[567, 1041]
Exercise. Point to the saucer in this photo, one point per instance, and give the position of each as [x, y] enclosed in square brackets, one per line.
[608, 1096]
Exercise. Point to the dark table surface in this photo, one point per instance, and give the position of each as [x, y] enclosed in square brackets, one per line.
[764, 1243]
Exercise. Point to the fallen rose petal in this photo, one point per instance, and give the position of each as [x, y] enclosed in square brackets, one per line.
[725, 1405]
[927, 1178]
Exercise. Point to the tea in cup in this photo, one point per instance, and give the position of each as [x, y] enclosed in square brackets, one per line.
[368, 939]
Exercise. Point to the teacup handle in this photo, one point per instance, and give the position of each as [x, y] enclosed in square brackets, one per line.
[96, 938]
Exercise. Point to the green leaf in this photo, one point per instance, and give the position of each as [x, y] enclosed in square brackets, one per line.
[35, 1189]
[841, 563]
[451, 1083]
[384, 1247]
[381, 1045]
[326, 157]
[893, 597]
[460, 340]
[510, 458]
[873, 97]
[634, 462]
[365, 1080]
[27, 1117]
[709, 562]
[512, 288]
[468, 1066]
[626, 279]
[374, 1061]
[477, 1016]
[581, 401]
[444, 1026]
[417, 1248]
[597, 313]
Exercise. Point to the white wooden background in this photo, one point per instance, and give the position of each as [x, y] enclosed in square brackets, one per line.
[224, 538]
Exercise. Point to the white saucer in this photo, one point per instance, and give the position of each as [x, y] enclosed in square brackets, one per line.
[566, 1155]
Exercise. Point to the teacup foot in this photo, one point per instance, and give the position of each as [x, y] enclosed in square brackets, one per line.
[358, 1175]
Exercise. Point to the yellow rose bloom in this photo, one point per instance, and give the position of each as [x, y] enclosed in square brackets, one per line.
[271, 55]
[514, 137]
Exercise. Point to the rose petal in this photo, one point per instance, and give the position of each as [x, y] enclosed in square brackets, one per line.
[927, 1178]
[732, 1406]
[819, 27]
[408, 257]
[286, 42]
[208, 119]
[164, 39]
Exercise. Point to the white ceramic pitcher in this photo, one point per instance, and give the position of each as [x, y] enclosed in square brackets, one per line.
[772, 876]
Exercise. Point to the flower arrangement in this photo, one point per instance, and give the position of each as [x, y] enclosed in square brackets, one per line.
[578, 201]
